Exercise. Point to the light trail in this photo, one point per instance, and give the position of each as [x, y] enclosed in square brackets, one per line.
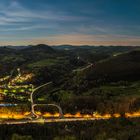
[89, 65]
[43, 121]
[31, 98]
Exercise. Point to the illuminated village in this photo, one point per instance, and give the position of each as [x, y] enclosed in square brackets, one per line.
[18, 88]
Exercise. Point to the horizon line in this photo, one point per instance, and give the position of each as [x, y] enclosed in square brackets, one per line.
[70, 45]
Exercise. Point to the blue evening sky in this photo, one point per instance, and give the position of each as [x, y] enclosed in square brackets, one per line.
[76, 22]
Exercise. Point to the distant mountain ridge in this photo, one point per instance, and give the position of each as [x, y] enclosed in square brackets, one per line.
[15, 47]
[69, 47]
[39, 47]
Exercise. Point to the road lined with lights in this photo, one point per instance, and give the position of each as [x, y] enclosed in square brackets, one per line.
[54, 118]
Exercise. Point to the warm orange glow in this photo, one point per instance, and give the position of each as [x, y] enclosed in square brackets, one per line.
[68, 115]
[116, 115]
[78, 115]
[131, 115]
[14, 115]
[49, 115]
[94, 115]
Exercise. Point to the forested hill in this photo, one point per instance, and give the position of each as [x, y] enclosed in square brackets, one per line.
[65, 59]
[84, 78]
[124, 66]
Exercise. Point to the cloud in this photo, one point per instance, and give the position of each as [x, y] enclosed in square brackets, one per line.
[16, 18]
[26, 28]
[17, 13]
[76, 25]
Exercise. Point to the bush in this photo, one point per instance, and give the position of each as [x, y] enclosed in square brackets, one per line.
[18, 137]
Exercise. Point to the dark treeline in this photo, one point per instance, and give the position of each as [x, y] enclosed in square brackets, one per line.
[114, 129]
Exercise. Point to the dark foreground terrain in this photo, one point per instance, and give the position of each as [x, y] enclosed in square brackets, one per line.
[114, 129]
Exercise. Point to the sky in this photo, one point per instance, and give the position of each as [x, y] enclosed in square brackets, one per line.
[74, 22]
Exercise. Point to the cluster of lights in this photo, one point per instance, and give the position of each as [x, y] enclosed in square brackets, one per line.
[12, 86]
[21, 78]
[16, 85]
[4, 78]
